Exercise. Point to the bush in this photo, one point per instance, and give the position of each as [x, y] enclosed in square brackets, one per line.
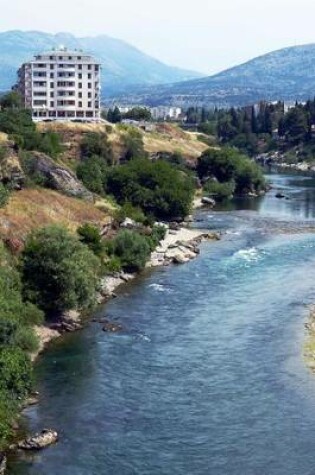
[59, 272]
[93, 174]
[129, 211]
[15, 372]
[220, 191]
[96, 144]
[4, 195]
[132, 250]
[91, 236]
[228, 164]
[157, 235]
[156, 187]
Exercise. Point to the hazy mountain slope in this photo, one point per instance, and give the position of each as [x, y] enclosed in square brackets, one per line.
[122, 63]
[287, 74]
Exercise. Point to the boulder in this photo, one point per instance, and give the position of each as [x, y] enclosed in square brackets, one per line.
[59, 177]
[129, 223]
[3, 463]
[280, 195]
[208, 201]
[39, 441]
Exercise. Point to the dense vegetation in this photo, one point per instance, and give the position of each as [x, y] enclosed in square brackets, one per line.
[262, 128]
[226, 171]
[16, 339]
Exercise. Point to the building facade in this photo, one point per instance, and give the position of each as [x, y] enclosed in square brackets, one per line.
[61, 85]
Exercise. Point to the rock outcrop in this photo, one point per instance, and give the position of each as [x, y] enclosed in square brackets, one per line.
[39, 441]
[11, 171]
[3, 463]
[58, 177]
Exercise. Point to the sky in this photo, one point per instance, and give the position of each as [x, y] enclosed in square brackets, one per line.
[202, 35]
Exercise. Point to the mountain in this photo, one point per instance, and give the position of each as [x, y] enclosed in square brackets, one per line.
[122, 63]
[287, 74]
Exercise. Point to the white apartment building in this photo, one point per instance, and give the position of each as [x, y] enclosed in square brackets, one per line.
[165, 113]
[61, 85]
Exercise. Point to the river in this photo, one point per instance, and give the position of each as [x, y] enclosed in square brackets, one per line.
[208, 377]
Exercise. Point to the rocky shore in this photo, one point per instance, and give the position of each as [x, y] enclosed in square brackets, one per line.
[309, 347]
[178, 247]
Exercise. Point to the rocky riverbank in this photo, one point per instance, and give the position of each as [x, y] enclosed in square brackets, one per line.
[178, 247]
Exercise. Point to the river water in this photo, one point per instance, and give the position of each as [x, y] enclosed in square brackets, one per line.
[208, 376]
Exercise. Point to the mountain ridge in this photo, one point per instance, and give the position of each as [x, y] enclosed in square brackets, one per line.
[286, 74]
[122, 63]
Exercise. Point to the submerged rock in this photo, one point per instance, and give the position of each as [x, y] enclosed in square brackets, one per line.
[110, 327]
[39, 441]
[280, 195]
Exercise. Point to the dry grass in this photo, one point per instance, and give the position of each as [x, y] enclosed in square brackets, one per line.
[167, 138]
[33, 208]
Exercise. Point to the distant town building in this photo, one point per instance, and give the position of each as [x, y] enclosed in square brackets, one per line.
[61, 85]
[165, 113]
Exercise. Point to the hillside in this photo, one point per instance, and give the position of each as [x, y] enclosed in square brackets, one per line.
[287, 74]
[166, 138]
[122, 64]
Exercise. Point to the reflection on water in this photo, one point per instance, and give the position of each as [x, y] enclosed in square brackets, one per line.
[208, 376]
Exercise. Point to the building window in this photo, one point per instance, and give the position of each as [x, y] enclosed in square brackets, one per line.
[80, 85]
[51, 66]
[89, 76]
[80, 95]
[89, 85]
[79, 57]
[40, 102]
[51, 58]
[89, 104]
[80, 103]
[96, 68]
[60, 58]
[51, 75]
[80, 75]
[52, 103]
[80, 66]
[89, 67]
[52, 94]
[89, 95]
[52, 85]
[70, 58]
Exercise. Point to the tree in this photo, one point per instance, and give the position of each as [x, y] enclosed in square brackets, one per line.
[59, 272]
[132, 249]
[157, 188]
[228, 165]
[96, 144]
[296, 125]
[114, 116]
[11, 100]
[93, 173]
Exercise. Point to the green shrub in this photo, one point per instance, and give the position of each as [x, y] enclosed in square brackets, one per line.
[132, 249]
[4, 195]
[91, 236]
[15, 372]
[59, 272]
[228, 164]
[129, 211]
[112, 265]
[156, 187]
[26, 339]
[220, 191]
[93, 174]
[96, 144]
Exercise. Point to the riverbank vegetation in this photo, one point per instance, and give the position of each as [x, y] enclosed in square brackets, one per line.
[64, 224]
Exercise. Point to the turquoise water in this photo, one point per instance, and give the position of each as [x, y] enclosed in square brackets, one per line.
[208, 376]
